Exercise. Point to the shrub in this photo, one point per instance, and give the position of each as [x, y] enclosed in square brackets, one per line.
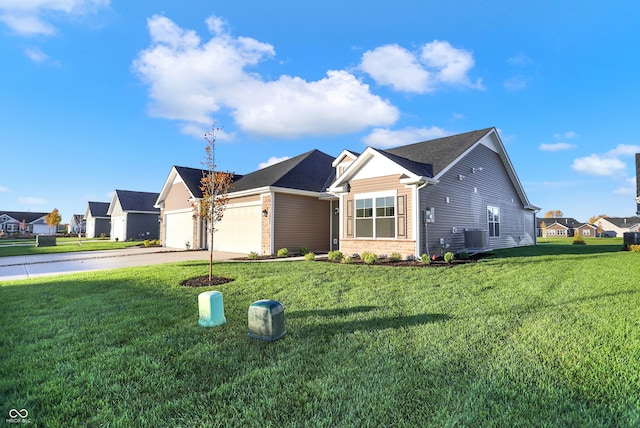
[425, 259]
[347, 260]
[253, 256]
[283, 252]
[150, 243]
[463, 255]
[449, 256]
[634, 248]
[369, 257]
[303, 251]
[578, 240]
[310, 257]
[334, 255]
[395, 257]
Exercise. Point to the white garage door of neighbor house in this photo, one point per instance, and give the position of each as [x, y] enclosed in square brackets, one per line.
[179, 230]
[117, 228]
[240, 230]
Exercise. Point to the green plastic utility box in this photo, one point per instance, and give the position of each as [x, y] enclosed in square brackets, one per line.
[211, 309]
[266, 320]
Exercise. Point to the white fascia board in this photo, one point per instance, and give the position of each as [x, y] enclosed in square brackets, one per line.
[273, 189]
[418, 180]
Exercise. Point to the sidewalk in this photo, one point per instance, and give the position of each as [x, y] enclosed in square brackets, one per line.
[31, 266]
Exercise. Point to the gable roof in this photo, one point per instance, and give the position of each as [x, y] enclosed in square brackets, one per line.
[135, 201]
[98, 209]
[27, 216]
[309, 171]
[569, 222]
[622, 222]
[441, 152]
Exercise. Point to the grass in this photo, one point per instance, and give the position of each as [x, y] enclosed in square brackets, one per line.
[516, 339]
[25, 247]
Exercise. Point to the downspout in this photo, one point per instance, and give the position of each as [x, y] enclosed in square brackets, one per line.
[424, 221]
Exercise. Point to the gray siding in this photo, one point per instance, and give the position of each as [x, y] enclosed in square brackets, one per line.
[467, 205]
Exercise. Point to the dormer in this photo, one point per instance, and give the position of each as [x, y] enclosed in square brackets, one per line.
[344, 161]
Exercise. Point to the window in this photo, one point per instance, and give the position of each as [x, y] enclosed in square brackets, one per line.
[493, 217]
[376, 217]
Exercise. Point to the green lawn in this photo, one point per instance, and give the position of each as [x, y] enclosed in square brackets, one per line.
[527, 337]
[23, 247]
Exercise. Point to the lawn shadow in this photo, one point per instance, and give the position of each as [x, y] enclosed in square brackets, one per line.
[328, 325]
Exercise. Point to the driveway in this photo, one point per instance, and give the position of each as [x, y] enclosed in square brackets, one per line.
[22, 267]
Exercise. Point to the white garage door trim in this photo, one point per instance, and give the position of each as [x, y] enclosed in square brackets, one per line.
[240, 230]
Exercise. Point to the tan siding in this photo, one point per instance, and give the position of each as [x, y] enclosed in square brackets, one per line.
[381, 184]
[177, 197]
[301, 221]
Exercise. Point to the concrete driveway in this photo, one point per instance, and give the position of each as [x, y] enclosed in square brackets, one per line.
[22, 267]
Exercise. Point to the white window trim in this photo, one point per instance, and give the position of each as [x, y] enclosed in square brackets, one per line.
[373, 196]
[499, 222]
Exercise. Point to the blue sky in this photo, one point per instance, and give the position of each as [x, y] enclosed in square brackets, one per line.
[98, 95]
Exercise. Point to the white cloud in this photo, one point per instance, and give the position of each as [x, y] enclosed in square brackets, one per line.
[30, 17]
[565, 135]
[437, 64]
[598, 165]
[383, 138]
[4, 189]
[36, 55]
[30, 200]
[556, 147]
[272, 161]
[607, 164]
[520, 60]
[190, 80]
[515, 83]
[627, 188]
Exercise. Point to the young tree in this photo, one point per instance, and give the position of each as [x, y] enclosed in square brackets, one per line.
[53, 219]
[215, 187]
[543, 228]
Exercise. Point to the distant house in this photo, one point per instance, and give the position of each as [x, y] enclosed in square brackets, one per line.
[98, 222]
[24, 222]
[617, 226]
[558, 226]
[77, 225]
[458, 193]
[133, 216]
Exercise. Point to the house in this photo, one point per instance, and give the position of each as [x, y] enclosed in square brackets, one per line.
[133, 216]
[563, 227]
[458, 193]
[281, 206]
[77, 225]
[617, 226]
[98, 222]
[24, 222]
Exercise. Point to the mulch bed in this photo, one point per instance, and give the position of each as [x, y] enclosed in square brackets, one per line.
[203, 281]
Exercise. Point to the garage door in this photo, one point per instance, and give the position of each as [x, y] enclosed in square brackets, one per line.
[179, 230]
[240, 230]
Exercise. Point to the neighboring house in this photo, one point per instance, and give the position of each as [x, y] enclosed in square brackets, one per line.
[458, 193]
[98, 222]
[561, 227]
[281, 206]
[24, 222]
[77, 225]
[586, 230]
[617, 226]
[133, 216]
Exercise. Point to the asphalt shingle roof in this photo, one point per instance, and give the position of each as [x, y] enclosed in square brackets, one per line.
[28, 217]
[99, 209]
[308, 171]
[441, 152]
[137, 201]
